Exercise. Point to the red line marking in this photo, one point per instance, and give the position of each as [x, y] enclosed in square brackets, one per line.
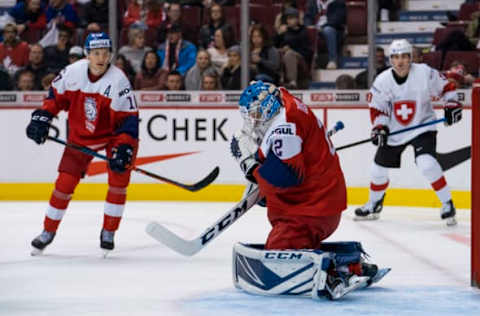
[458, 238]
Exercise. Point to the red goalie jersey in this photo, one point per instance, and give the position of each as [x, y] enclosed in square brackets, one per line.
[97, 110]
[300, 172]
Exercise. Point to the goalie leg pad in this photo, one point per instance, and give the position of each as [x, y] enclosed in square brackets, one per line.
[346, 252]
[280, 272]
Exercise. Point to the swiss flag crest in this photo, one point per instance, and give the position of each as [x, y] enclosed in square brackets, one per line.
[404, 111]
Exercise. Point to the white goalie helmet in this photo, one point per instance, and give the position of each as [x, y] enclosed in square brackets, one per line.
[398, 47]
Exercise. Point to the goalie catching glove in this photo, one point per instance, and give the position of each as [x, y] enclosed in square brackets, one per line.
[379, 135]
[121, 158]
[452, 112]
[243, 148]
[37, 130]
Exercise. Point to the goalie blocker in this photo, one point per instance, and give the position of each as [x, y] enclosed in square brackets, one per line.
[306, 272]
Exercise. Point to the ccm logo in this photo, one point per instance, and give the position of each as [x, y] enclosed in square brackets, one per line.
[151, 97]
[211, 97]
[283, 255]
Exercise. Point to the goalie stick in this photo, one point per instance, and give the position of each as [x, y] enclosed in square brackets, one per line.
[190, 187]
[191, 247]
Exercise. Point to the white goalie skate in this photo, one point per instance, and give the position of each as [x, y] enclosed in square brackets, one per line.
[370, 211]
[448, 212]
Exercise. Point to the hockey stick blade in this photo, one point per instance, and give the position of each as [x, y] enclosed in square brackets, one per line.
[190, 187]
[191, 247]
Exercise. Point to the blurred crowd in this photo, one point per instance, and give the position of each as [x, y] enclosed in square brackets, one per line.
[184, 44]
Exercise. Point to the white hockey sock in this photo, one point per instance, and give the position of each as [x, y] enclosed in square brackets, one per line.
[432, 170]
[379, 183]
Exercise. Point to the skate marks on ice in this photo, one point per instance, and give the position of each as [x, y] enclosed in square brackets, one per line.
[376, 300]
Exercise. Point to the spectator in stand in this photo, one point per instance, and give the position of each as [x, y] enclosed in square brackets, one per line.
[265, 61]
[216, 21]
[345, 82]
[147, 13]
[75, 54]
[151, 76]
[280, 23]
[123, 63]
[29, 14]
[174, 81]
[207, 3]
[211, 81]
[193, 79]
[361, 79]
[231, 74]
[36, 65]
[296, 52]
[417, 55]
[47, 81]
[224, 38]
[176, 53]
[5, 80]
[13, 52]
[388, 10]
[174, 16]
[62, 13]
[459, 75]
[96, 11]
[56, 56]
[26, 81]
[135, 50]
[455, 41]
[330, 17]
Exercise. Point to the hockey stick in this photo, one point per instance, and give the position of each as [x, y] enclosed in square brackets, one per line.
[191, 247]
[393, 133]
[190, 187]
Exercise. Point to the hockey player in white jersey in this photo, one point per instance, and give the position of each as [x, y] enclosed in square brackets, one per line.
[400, 97]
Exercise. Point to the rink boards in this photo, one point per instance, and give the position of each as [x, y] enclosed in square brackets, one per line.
[185, 135]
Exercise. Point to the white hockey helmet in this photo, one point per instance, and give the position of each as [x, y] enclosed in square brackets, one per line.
[401, 46]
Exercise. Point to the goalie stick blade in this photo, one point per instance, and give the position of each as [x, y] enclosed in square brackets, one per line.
[172, 241]
[191, 247]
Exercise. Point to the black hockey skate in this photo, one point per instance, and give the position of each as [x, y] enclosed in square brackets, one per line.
[106, 241]
[338, 284]
[448, 212]
[41, 241]
[370, 211]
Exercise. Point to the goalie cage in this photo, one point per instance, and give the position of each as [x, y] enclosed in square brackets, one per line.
[475, 187]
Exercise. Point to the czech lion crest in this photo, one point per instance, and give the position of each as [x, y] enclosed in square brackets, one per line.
[90, 109]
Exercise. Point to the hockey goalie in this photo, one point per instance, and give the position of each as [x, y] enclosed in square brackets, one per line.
[286, 151]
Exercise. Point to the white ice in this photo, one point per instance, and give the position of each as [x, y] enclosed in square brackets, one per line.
[430, 265]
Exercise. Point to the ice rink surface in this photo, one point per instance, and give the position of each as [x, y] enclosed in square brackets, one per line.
[430, 265]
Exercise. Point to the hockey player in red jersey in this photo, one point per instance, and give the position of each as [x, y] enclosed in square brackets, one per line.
[400, 97]
[296, 167]
[102, 114]
[286, 150]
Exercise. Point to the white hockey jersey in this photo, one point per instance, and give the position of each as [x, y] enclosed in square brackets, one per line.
[399, 106]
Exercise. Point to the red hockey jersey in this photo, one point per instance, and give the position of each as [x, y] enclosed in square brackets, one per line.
[99, 112]
[299, 140]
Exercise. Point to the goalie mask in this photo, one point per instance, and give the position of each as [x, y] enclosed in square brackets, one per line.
[259, 103]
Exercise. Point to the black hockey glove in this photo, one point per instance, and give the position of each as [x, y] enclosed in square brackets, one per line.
[37, 129]
[121, 158]
[452, 112]
[379, 135]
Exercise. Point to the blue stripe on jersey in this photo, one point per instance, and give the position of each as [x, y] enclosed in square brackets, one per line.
[278, 173]
[51, 94]
[129, 126]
